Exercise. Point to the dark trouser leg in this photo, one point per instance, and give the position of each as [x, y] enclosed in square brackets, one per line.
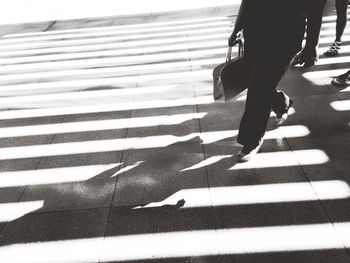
[261, 90]
[342, 17]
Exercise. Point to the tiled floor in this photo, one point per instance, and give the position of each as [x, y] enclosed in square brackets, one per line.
[113, 150]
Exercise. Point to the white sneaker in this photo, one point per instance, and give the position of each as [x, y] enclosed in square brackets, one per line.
[248, 152]
[282, 117]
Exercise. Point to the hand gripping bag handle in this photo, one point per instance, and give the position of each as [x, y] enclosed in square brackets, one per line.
[238, 41]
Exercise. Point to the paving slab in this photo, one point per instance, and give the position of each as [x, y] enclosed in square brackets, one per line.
[332, 151]
[157, 175]
[129, 159]
[154, 234]
[84, 181]
[316, 113]
[55, 237]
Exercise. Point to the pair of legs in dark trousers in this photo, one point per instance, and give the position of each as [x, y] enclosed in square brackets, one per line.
[264, 75]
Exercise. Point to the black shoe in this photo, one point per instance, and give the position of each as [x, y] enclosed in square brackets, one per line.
[249, 151]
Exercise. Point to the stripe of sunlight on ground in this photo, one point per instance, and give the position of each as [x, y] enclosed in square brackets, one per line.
[40, 100]
[331, 18]
[99, 108]
[294, 131]
[284, 159]
[103, 8]
[341, 105]
[221, 23]
[334, 60]
[256, 194]
[321, 77]
[11, 101]
[329, 40]
[344, 50]
[109, 61]
[13, 211]
[98, 125]
[305, 157]
[53, 175]
[108, 39]
[88, 54]
[93, 83]
[137, 26]
[187, 26]
[127, 168]
[330, 31]
[207, 137]
[113, 45]
[91, 74]
[183, 244]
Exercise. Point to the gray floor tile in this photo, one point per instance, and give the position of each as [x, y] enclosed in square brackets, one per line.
[344, 95]
[178, 121]
[226, 171]
[124, 221]
[163, 207]
[228, 11]
[331, 66]
[167, 16]
[19, 164]
[221, 116]
[340, 90]
[204, 88]
[24, 27]
[176, 89]
[339, 212]
[294, 83]
[10, 194]
[84, 190]
[58, 226]
[202, 12]
[96, 131]
[25, 140]
[60, 237]
[248, 233]
[315, 112]
[30, 121]
[159, 175]
[97, 116]
[270, 215]
[164, 67]
[330, 160]
[146, 226]
[131, 20]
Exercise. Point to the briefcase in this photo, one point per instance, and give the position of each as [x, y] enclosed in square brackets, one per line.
[231, 77]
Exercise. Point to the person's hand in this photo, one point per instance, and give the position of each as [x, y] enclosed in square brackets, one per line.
[232, 38]
[307, 56]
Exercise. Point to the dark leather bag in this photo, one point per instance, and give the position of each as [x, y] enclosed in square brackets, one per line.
[231, 78]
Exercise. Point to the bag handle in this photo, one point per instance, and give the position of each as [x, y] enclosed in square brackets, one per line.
[238, 41]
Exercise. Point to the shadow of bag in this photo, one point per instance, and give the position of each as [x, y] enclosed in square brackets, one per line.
[231, 78]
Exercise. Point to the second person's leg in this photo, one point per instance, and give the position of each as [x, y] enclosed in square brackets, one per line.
[342, 17]
[261, 90]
